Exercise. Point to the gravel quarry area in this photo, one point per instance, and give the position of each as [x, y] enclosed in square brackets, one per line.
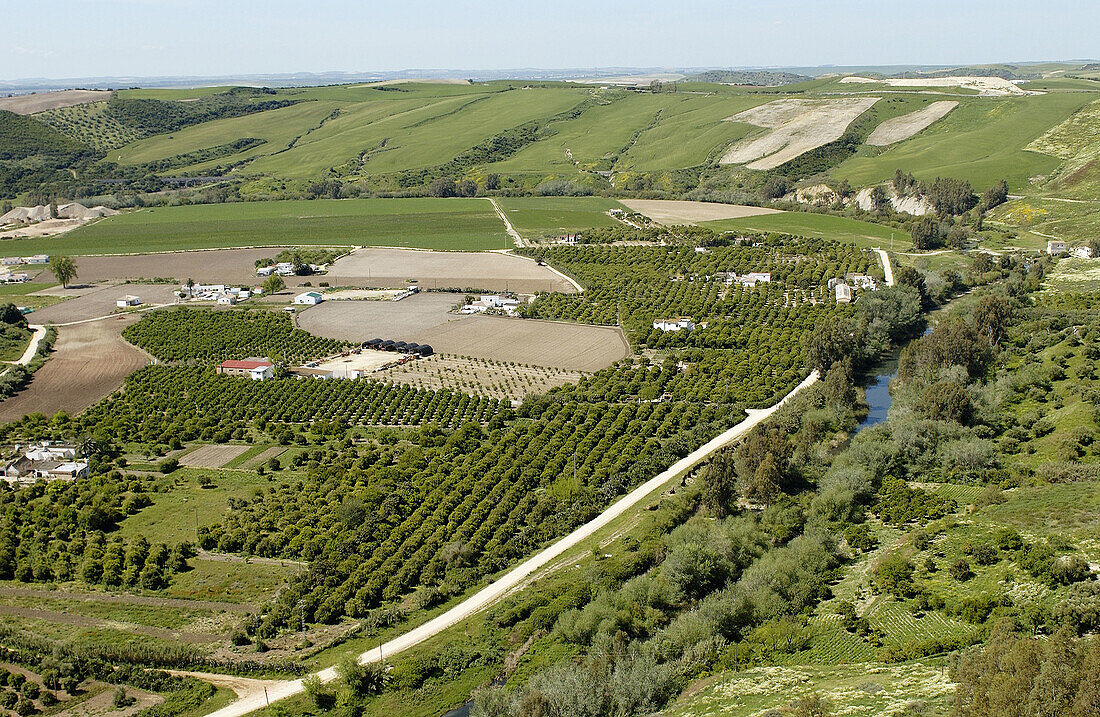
[896, 129]
[797, 126]
[667, 211]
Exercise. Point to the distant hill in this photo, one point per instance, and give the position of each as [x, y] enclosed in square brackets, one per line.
[754, 78]
[1005, 72]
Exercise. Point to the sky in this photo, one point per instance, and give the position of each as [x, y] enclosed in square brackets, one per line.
[136, 38]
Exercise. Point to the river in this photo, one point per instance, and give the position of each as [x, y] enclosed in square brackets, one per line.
[877, 391]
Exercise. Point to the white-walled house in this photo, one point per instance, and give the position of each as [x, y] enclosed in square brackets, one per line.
[843, 294]
[679, 323]
[309, 298]
[1056, 247]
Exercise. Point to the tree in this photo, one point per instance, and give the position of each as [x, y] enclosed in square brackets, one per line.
[995, 195]
[442, 187]
[719, 479]
[946, 401]
[834, 339]
[273, 284]
[774, 187]
[64, 268]
[492, 181]
[879, 201]
[992, 317]
[926, 234]
[908, 276]
[843, 189]
[894, 574]
[466, 188]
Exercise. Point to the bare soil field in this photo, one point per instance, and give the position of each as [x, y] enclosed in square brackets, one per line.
[29, 104]
[507, 381]
[88, 362]
[217, 266]
[491, 271]
[89, 302]
[211, 456]
[424, 319]
[896, 129]
[671, 211]
[797, 126]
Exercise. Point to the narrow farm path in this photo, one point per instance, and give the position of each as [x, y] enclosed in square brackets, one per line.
[886, 268]
[32, 348]
[516, 237]
[516, 577]
[571, 280]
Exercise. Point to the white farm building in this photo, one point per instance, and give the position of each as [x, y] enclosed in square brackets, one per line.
[309, 298]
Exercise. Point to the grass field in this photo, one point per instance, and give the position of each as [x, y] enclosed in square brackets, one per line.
[982, 140]
[176, 514]
[863, 234]
[420, 133]
[864, 689]
[445, 224]
[1046, 218]
[277, 127]
[552, 216]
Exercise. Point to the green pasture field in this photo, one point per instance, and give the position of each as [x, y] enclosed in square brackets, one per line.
[172, 618]
[1074, 222]
[24, 295]
[861, 233]
[277, 127]
[1075, 275]
[250, 583]
[869, 689]
[551, 216]
[176, 514]
[690, 131]
[421, 133]
[982, 140]
[445, 224]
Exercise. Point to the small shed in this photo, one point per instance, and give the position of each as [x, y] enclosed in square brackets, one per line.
[309, 298]
[128, 301]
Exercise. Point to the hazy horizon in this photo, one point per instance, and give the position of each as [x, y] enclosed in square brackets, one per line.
[180, 38]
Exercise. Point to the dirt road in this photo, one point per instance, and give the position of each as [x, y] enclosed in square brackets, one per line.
[516, 577]
[886, 268]
[516, 237]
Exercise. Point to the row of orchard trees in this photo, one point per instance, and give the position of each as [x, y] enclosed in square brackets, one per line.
[194, 403]
[187, 334]
[635, 285]
[446, 515]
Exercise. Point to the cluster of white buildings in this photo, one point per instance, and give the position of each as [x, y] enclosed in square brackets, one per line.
[46, 460]
[751, 279]
[7, 276]
[844, 289]
[17, 260]
[219, 293]
[1057, 247]
[680, 323]
[492, 302]
[285, 268]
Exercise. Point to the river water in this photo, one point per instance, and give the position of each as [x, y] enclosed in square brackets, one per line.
[878, 392]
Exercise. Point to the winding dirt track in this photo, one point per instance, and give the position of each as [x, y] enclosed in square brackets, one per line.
[517, 577]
